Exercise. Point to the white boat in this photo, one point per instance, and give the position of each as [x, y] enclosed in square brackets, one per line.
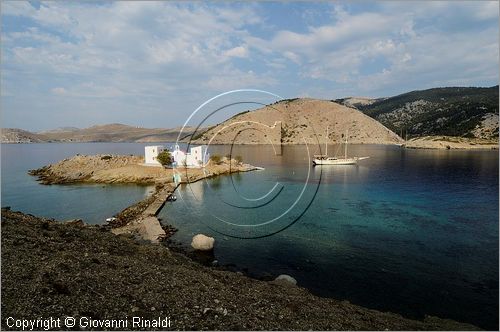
[325, 160]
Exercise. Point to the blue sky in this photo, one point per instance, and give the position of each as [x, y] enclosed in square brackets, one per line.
[151, 64]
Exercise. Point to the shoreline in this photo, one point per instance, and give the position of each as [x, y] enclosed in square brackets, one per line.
[424, 143]
[85, 271]
[131, 232]
[139, 218]
[450, 143]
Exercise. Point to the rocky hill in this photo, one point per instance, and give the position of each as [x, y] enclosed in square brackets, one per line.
[14, 135]
[296, 121]
[457, 111]
[357, 101]
[100, 133]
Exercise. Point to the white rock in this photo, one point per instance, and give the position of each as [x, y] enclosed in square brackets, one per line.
[286, 278]
[202, 242]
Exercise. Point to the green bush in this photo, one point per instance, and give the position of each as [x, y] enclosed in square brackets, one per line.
[216, 159]
[239, 159]
[164, 158]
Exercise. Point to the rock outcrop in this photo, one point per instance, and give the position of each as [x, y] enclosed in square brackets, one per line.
[124, 169]
[286, 279]
[52, 269]
[203, 242]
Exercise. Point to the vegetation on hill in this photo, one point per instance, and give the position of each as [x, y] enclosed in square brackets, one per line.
[454, 111]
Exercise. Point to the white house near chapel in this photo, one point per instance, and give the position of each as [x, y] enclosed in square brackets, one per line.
[198, 156]
[150, 154]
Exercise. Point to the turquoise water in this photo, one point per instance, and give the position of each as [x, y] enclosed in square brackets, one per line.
[92, 203]
[408, 231]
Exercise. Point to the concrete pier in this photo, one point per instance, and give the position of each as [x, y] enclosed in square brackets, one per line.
[147, 225]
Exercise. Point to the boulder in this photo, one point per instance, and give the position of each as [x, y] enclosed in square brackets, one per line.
[202, 242]
[285, 279]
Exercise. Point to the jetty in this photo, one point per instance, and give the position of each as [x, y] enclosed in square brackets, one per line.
[140, 218]
[147, 225]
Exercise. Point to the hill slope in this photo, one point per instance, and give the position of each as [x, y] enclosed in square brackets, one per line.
[302, 119]
[14, 135]
[466, 112]
[102, 133]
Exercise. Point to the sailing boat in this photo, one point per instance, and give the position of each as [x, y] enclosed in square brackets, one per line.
[325, 160]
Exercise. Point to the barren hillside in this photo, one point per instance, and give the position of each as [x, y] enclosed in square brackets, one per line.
[101, 133]
[14, 135]
[302, 120]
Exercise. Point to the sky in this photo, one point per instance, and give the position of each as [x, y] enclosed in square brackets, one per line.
[151, 64]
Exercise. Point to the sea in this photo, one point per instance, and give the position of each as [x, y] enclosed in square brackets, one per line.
[413, 232]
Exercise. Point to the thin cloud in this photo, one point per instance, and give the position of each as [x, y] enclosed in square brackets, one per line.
[140, 61]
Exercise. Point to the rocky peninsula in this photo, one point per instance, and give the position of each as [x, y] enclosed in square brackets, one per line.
[127, 169]
[139, 219]
[58, 269]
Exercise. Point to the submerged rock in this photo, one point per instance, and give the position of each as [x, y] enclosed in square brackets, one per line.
[285, 278]
[202, 242]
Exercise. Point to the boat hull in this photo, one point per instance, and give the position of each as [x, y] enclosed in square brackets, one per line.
[337, 161]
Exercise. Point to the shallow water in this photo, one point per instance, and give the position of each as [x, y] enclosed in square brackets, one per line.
[91, 202]
[409, 231]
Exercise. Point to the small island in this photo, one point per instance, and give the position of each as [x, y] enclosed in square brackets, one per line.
[140, 218]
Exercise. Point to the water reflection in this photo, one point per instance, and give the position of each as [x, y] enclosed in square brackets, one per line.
[421, 223]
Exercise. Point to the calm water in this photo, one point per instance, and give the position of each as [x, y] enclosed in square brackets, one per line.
[408, 231]
[92, 203]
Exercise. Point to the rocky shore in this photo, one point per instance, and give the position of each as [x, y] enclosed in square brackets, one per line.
[139, 219]
[100, 169]
[451, 143]
[55, 269]
[125, 169]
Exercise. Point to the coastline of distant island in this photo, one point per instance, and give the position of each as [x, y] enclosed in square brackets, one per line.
[440, 118]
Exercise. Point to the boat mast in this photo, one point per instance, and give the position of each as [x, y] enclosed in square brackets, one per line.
[345, 148]
[326, 142]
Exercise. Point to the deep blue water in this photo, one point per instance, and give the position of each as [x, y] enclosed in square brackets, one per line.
[408, 231]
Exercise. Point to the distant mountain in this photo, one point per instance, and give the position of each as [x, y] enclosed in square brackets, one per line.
[115, 132]
[357, 101]
[14, 135]
[455, 111]
[59, 130]
[299, 120]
